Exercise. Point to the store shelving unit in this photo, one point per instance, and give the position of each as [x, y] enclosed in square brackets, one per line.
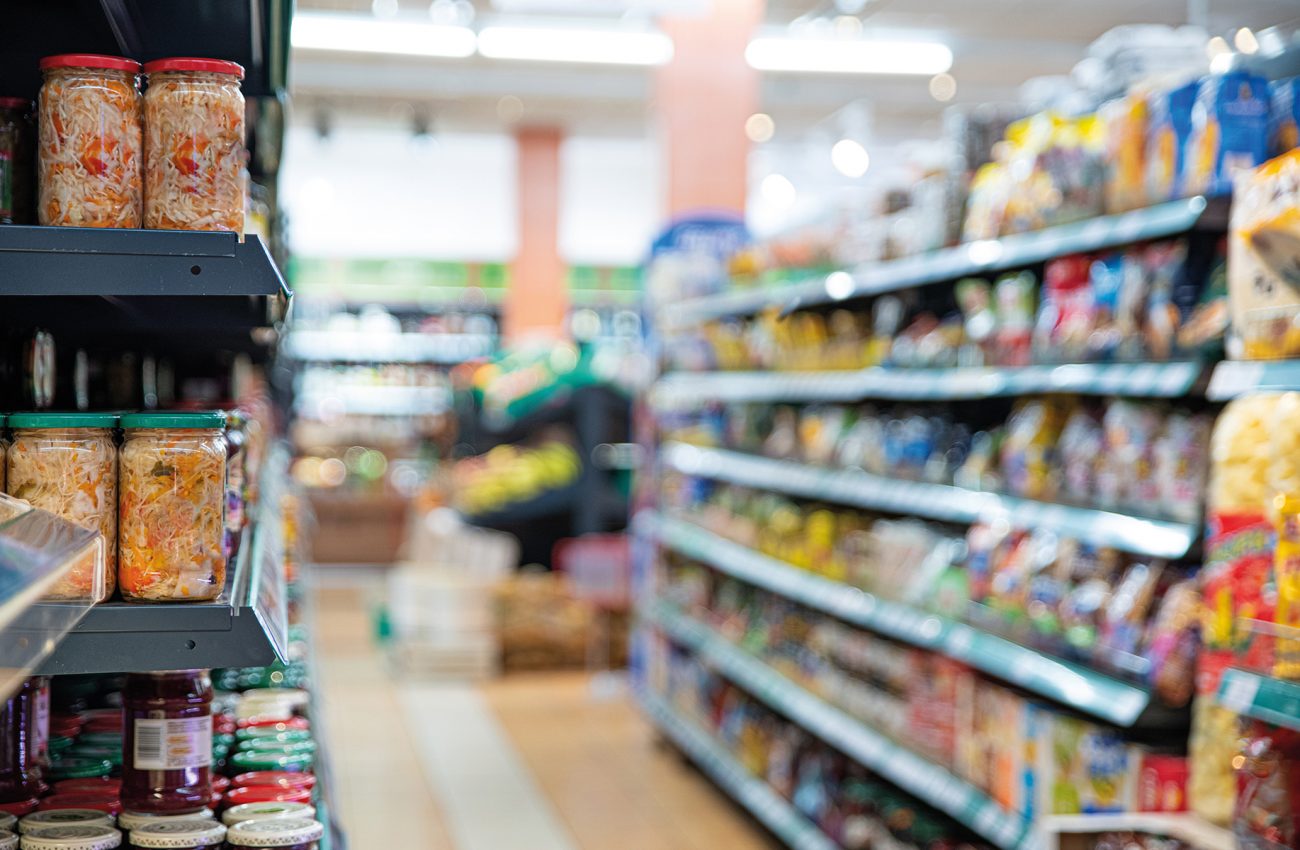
[923, 779]
[1143, 536]
[1135, 380]
[975, 258]
[1087, 691]
[774, 812]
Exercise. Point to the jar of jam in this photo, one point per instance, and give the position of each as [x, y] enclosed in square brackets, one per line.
[131, 821]
[74, 838]
[266, 794]
[187, 834]
[291, 834]
[17, 166]
[268, 811]
[8, 839]
[39, 822]
[167, 744]
[90, 162]
[66, 463]
[276, 779]
[20, 777]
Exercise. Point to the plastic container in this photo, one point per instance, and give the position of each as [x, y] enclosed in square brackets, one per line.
[20, 776]
[268, 811]
[74, 838]
[294, 834]
[131, 821]
[171, 529]
[38, 822]
[90, 155]
[66, 463]
[194, 145]
[17, 147]
[168, 743]
[187, 834]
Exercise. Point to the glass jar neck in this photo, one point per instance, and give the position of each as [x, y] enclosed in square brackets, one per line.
[63, 433]
[212, 77]
[158, 433]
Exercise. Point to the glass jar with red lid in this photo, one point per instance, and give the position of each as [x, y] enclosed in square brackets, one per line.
[265, 794]
[277, 778]
[104, 801]
[20, 777]
[194, 145]
[167, 745]
[291, 834]
[90, 155]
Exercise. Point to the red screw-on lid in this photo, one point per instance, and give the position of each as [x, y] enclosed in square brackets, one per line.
[191, 63]
[92, 784]
[20, 807]
[277, 778]
[90, 60]
[266, 794]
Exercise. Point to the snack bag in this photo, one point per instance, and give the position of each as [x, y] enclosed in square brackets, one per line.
[1286, 115]
[1162, 783]
[1109, 771]
[1104, 332]
[1181, 459]
[1125, 122]
[1267, 811]
[1015, 295]
[1028, 460]
[1264, 260]
[1123, 621]
[1211, 787]
[1230, 130]
[1126, 473]
[986, 206]
[1173, 642]
[1170, 125]
[1164, 263]
[1203, 332]
[1080, 450]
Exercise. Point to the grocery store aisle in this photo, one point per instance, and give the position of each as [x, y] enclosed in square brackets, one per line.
[529, 761]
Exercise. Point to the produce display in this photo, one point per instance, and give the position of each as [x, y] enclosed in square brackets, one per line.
[172, 507]
[194, 145]
[511, 474]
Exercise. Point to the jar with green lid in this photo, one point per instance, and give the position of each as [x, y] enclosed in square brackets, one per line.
[184, 834]
[8, 839]
[78, 768]
[172, 520]
[288, 834]
[39, 822]
[274, 745]
[249, 760]
[74, 838]
[66, 463]
[17, 161]
[131, 821]
[268, 811]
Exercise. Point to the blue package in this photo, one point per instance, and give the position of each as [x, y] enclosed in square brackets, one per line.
[1230, 130]
[1286, 115]
[1170, 128]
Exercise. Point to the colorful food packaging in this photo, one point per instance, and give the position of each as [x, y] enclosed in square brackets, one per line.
[1230, 130]
[1263, 269]
[1125, 122]
[1286, 115]
[1170, 126]
[1267, 811]
[1162, 783]
[1093, 770]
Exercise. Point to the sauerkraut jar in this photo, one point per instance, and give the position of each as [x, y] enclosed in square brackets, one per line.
[194, 145]
[66, 463]
[90, 147]
[171, 525]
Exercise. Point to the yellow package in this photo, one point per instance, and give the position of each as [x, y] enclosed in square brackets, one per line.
[1125, 122]
[1264, 259]
[1211, 784]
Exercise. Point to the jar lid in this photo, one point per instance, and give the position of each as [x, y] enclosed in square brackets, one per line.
[8, 840]
[185, 833]
[269, 810]
[259, 760]
[107, 752]
[79, 768]
[193, 63]
[14, 103]
[274, 833]
[46, 820]
[175, 419]
[90, 60]
[72, 419]
[267, 794]
[114, 738]
[134, 820]
[84, 837]
[297, 697]
[220, 783]
[8, 821]
[274, 778]
[271, 733]
[59, 744]
[275, 745]
[20, 807]
[284, 723]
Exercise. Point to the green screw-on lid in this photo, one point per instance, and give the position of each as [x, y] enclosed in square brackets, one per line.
[73, 419]
[100, 738]
[108, 752]
[79, 768]
[249, 760]
[176, 419]
[272, 745]
[59, 744]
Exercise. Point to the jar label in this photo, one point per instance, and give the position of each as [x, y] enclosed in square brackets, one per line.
[173, 744]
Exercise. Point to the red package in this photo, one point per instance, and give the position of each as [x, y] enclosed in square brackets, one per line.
[1162, 783]
[1236, 578]
[1267, 813]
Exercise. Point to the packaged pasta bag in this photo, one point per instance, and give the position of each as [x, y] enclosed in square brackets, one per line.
[1169, 126]
[1267, 218]
[1230, 130]
[1125, 128]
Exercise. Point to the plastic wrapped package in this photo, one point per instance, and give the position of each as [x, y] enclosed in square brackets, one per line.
[172, 520]
[1211, 786]
[89, 163]
[194, 145]
[66, 463]
[1230, 130]
[1263, 276]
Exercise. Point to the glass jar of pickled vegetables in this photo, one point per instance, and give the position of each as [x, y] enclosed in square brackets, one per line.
[235, 481]
[194, 145]
[171, 526]
[66, 463]
[17, 144]
[288, 834]
[167, 742]
[90, 157]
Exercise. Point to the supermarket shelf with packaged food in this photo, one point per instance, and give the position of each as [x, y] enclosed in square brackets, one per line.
[1182, 827]
[1140, 535]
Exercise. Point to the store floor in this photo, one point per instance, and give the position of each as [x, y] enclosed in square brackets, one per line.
[538, 761]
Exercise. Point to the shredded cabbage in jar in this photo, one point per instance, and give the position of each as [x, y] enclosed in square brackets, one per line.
[90, 150]
[172, 523]
[194, 153]
[74, 477]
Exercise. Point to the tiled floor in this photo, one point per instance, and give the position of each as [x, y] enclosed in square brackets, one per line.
[527, 762]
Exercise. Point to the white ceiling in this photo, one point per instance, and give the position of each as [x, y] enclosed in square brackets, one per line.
[997, 45]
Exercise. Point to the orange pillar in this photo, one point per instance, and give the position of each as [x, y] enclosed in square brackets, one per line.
[536, 300]
[702, 98]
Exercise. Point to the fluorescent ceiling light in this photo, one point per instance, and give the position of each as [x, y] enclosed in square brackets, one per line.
[553, 44]
[848, 56]
[365, 34]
